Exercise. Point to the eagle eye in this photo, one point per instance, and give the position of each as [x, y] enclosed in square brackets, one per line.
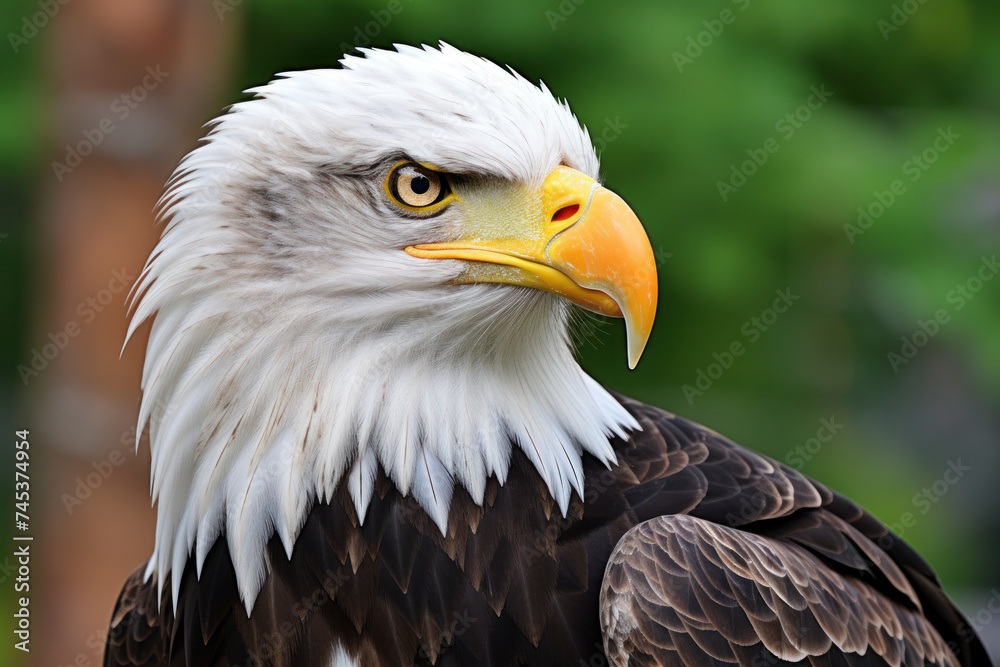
[413, 186]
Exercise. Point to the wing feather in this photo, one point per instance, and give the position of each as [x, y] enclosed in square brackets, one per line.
[677, 583]
[136, 633]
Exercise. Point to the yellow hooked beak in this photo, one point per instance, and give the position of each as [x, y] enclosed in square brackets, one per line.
[582, 243]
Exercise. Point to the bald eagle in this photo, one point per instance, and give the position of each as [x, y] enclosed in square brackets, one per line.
[371, 443]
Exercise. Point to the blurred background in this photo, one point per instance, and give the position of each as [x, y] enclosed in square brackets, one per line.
[821, 184]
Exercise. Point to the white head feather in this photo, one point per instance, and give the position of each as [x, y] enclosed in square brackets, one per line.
[296, 346]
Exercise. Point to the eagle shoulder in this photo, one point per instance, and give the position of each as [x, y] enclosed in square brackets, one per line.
[762, 565]
[137, 627]
[146, 630]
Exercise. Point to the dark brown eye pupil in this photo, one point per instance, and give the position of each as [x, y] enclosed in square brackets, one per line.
[420, 184]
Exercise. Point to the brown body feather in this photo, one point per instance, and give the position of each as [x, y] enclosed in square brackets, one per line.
[515, 583]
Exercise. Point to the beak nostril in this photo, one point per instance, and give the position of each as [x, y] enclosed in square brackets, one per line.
[565, 213]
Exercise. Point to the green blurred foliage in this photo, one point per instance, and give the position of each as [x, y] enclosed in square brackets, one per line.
[21, 117]
[720, 261]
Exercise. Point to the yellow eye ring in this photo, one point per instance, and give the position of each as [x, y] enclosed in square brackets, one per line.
[417, 188]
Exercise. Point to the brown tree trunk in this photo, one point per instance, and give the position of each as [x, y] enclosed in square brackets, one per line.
[131, 85]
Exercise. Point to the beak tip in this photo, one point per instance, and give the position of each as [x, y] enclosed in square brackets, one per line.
[635, 350]
[638, 327]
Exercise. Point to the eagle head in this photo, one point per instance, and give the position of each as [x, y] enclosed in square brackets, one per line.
[373, 267]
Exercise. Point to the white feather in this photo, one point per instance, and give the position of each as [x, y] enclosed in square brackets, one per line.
[296, 347]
